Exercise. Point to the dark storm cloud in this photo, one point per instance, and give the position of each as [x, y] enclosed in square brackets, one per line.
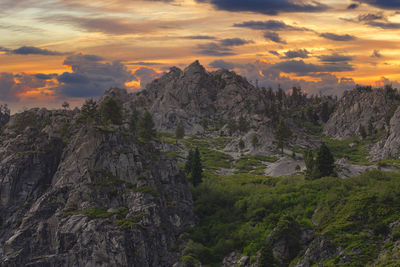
[337, 37]
[300, 53]
[274, 36]
[199, 37]
[222, 64]
[222, 48]
[214, 49]
[335, 58]
[275, 53]
[145, 63]
[299, 67]
[31, 50]
[42, 76]
[271, 25]
[90, 77]
[146, 75]
[234, 42]
[384, 25]
[269, 7]
[353, 6]
[384, 4]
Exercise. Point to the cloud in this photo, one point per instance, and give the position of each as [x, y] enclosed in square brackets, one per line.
[214, 49]
[31, 50]
[269, 7]
[146, 75]
[384, 4]
[42, 76]
[275, 53]
[301, 68]
[199, 37]
[222, 48]
[371, 16]
[353, 6]
[8, 88]
[274, 36]
[376, 53]
[335, 58]
[145, 63]
[300, 53]
[90, 77]
[234, 42]
[337, 37]
[222, 64]
[272, 25]
[384, 25]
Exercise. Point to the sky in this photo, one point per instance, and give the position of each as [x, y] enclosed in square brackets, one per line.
[53, 51]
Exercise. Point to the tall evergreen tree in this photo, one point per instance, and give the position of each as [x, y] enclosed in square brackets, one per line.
[324, 162]
[111, 111]
[179, 131]
[309, 161]
[254, 141]
[243, 125]
[325, 112]
[241, 144]
[197, 168]
[267, 256]
[89, 110]
[189, 162]
[146, 127]
[133, 122]
[371, 128]
[362, 131]
[282, 135]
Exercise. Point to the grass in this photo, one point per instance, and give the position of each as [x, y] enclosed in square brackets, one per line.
[353, 149]
[238, 212]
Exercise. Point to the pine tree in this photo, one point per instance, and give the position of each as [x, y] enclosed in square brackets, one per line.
[134, 121]
[179, 131]
[146, 127]
[197, 168]
[89, 110]
[189, 162]
[241, 144]
[266, 256]
[362, 131]
[324, 163]
[309, 161]
[371, 128]
[282, 135]
[111, 111]
[325, 112]
[65, 105]
[254, 141]
[243, 125]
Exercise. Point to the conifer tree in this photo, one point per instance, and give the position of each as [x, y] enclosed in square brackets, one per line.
[179, 131]
[266, 256]
[325, 112]
[133, 122]
[89, 110]
[146, 127]
[197, 168]
[362, 131]
[241, 144]
[111, 111]
[189, 162]
[324, 163]
[254, 141]
[282, 134]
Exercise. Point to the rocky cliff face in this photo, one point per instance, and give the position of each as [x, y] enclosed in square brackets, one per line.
[390, 145]
[79, 195]
[190, 95]
[359, 107]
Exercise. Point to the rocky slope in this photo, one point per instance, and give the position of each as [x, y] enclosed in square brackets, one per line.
[359, 107]
[77, 195]
[389, 147]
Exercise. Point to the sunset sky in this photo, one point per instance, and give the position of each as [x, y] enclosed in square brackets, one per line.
[67, 50]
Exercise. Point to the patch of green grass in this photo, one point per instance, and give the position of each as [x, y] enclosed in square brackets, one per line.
[146, 190]
[125, 223]
[238, 212]
[252, 164]
[105, 129]
[353, 149]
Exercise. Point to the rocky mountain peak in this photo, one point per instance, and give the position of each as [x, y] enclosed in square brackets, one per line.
[195, 67]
